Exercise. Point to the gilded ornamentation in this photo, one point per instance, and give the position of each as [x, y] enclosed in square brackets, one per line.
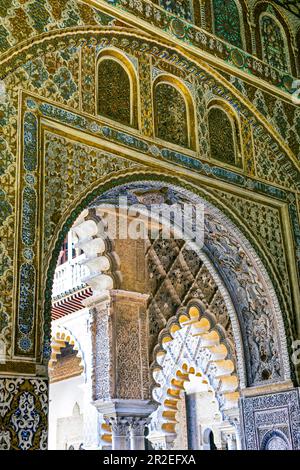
[182, 8]
[274, 49]
[265, 222]
[114, 94]
[88, 78]
[222, 136]
[80, 165]
[171, 115]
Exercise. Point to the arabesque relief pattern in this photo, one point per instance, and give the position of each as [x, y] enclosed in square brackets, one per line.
[10, 109]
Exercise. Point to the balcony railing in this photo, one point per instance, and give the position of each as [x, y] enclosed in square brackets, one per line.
[68, 277]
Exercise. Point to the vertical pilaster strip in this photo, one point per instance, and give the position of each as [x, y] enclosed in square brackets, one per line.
[247, 147]
[88, 79]
[202, 123]
[102, 348]
[146, 109]
[27, 259]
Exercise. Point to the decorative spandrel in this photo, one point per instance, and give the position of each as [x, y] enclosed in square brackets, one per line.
[171, 115]
[221, 133]
[227, 21]
[114, 95]
[272, 38]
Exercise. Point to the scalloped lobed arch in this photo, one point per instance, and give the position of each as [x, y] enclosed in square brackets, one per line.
[193, 343]
[60, 337]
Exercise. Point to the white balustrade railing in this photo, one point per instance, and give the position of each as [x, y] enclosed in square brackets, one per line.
[69, 276]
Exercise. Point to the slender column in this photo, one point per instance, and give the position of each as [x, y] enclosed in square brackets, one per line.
[234, 428]
[202, 14]
[192, 421]
[91, 421]
[120, 432]
[137, 433]
[253, 38]
[238, 437]
[231, 442]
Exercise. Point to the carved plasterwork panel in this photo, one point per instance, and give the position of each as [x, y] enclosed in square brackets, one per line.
[128, 359]
[54, 69]
[30, 20]
[175, 277]
[272, 421]
[283, 115]
[46, 72]
[273, 169]
[72, 167]
[265, 222]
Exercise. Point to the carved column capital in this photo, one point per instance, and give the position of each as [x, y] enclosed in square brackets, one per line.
[129, 296]
[138, 425]
[99, 303]
[119, 425]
